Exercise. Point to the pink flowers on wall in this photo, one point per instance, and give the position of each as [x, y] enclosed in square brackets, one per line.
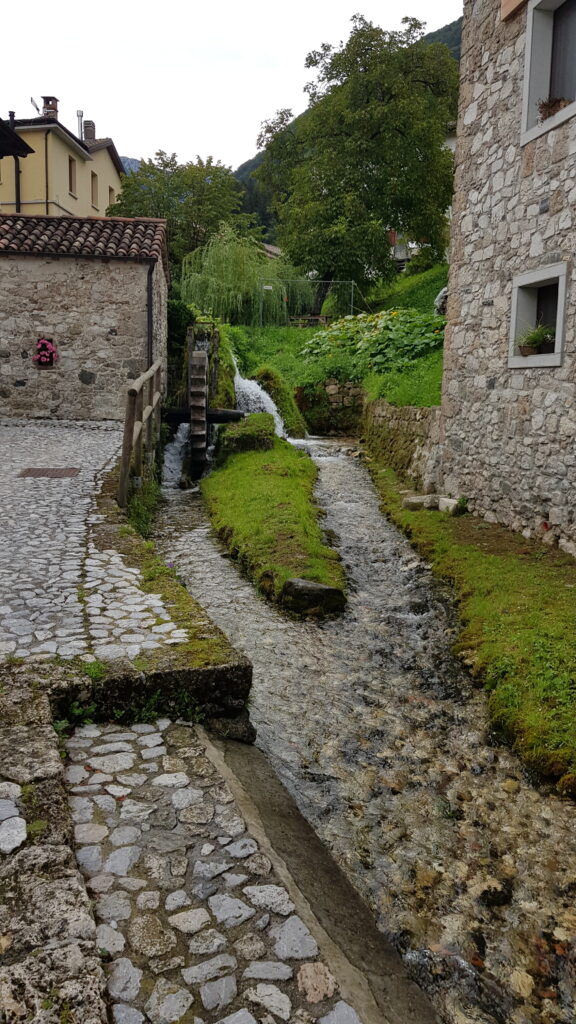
[46, 354]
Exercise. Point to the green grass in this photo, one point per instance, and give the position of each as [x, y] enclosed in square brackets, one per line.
[413, 292]
[517, 625]
[261, 504]
[278, 347]
[283, 397]
[225, 395]
[417, 385]
[143, 504]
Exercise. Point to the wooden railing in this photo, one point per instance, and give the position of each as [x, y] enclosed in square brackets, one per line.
[139, 425]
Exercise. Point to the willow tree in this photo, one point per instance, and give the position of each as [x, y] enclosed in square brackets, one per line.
[235, 280]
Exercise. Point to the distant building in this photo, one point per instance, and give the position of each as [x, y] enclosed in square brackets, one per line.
[63, 174]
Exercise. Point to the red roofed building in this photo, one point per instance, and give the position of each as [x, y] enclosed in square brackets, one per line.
[96, 288]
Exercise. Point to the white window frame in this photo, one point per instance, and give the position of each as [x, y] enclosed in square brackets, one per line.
[537, 69]
[524, 314]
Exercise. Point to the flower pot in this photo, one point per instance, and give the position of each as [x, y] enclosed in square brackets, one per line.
[528, 350]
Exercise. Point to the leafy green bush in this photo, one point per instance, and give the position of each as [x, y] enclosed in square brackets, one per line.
[377, 342]
[425, 259]
[281, 394]
[419, 384]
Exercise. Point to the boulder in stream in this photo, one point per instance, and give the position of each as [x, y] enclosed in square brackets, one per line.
[310, 598]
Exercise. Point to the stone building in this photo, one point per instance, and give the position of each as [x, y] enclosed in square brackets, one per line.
[94, 291]
[509, 411]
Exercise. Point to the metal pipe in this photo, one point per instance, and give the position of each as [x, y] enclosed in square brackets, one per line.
[149, 312]
[17, 183]
[46, 134]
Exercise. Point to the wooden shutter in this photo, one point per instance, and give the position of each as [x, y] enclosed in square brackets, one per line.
[509, 7]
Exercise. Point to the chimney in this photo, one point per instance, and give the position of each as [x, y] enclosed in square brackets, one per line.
[50, 107]
[89, 131]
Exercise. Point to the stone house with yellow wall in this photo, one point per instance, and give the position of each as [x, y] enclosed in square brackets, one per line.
[96, 290]
[508, 424]
[64, 174]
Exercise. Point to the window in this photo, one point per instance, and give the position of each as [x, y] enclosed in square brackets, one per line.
[111, 196]
[72, 175]
[94, 189]
[538, 301]
[550, 78]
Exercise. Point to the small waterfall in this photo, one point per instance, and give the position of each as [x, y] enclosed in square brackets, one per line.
[250, 397]
[174, 457]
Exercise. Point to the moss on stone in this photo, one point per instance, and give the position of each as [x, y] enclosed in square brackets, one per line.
[254, 433]
[281, 394]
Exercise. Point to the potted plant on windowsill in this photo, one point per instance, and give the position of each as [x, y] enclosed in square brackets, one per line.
[536, 340]
[551, 105]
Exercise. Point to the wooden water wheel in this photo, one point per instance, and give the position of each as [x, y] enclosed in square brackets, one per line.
[198, 403]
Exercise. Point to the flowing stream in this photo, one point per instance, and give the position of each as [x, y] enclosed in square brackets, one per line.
[250, 397]
[375, 730]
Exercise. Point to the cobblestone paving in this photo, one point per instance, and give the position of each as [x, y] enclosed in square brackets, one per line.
[48, 561]
[188, 908]
[375, 730]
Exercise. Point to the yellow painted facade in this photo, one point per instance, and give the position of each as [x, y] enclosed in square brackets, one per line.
[60, 177]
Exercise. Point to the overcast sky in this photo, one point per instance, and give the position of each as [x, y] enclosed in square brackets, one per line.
[191, 78]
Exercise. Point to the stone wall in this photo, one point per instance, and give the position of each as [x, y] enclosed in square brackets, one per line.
[409, 440]
[334, 407]
[508, 433]
[96, 314]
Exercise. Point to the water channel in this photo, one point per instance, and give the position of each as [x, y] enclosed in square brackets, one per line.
[375, 730]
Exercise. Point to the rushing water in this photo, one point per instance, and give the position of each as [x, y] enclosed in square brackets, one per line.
[174, 456]
[375, 730]
[250, 397]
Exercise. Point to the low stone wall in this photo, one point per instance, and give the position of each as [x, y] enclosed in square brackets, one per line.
[335, 407]
[409, 439]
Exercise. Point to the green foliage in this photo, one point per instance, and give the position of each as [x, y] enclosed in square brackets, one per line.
[272, 382]
[368, 154]
[517, 624]
[377, 342]
[411, 292]
[76, 714]
[419, 384]
[95, 670]
[194, 198]
[537, 336]
[233, 279]
[225, 396]
[142, 505]
[279, 347]
[424, 259]
[261, 503]
[450, 35]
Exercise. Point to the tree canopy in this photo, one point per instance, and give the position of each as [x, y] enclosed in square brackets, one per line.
[367, 155]
[194, 198]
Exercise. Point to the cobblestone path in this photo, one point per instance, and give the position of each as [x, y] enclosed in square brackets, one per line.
[374, 729]
[59, 595]
[189, 910]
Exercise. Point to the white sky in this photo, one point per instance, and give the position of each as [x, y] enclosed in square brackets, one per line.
[191, 78]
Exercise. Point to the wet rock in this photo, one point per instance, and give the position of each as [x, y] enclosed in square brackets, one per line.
[316, 982]
[148, 936]
[307, 597]
[269, 897]
[293, 940]
[215, 995]
[215, 968]
[240, 728]
[168, 1002]
[270, 997]
[124, 979]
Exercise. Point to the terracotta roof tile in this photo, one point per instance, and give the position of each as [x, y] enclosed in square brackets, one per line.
[101, 237]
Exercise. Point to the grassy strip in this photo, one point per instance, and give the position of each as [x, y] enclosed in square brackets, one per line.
[225, 396]
[278, 347]
[518, 621]
[417, 291]
[261, 504]
[419, 384]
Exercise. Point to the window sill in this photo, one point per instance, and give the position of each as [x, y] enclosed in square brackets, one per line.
[548, 125]
[535, 361]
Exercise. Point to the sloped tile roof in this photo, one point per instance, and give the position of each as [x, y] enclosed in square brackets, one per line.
[123, 238]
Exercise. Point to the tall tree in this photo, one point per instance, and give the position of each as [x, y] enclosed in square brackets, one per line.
[367, 156]
[194, 198]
